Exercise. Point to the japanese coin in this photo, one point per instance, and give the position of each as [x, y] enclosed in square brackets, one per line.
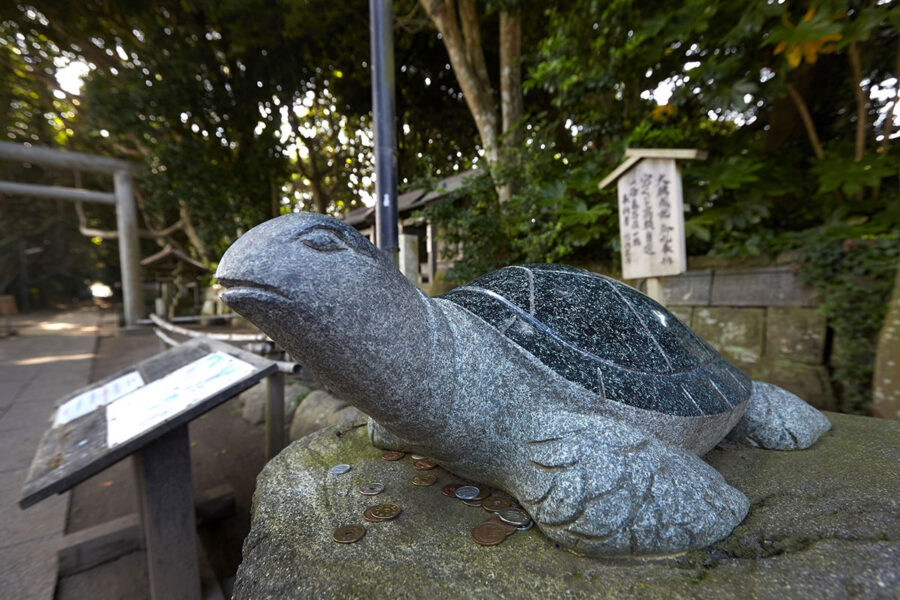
[509, 529]
[496, 503]
[386, 511]
[514, 516]
[417, 456]
[483, 492]
[349, 534]
[488, 533]
[371, 489]
[467, 492]
[368, 516]
[424, 464]
[392, 455]
[450, 490]
[526, 527]
[472, 502]
[339, 469]
[424, 479]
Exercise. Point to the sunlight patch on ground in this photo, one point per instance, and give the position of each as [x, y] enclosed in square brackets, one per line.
[43, 360]
[53, 326]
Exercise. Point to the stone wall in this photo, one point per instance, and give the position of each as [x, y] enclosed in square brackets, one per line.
[763, 320]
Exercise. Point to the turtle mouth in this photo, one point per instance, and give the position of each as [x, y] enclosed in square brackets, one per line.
[244, 288]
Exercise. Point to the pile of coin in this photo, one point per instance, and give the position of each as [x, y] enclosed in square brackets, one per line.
[382, 512]
[507, 517]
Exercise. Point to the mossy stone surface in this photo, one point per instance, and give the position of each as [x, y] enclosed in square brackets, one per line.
[795, 333]
[824, 523]
[738, 334]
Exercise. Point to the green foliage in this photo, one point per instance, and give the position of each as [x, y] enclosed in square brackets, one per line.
[852, 264]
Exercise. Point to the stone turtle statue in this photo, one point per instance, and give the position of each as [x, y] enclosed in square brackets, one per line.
[586, 400]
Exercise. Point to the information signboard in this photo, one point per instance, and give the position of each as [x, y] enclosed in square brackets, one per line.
[651, 219]
[106, 421]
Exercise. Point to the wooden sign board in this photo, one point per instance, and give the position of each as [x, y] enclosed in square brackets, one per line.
[101, 424]
[651, 219]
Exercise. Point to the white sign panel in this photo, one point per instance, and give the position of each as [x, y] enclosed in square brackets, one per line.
[651, 220]
[84, 403]
[147, 407]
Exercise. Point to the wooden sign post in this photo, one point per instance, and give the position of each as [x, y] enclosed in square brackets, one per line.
[145, 411]
[651, 215]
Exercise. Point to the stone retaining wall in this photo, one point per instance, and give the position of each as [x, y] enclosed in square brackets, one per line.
[763, 320]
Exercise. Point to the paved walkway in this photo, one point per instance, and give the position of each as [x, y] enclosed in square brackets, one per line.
[51, 356]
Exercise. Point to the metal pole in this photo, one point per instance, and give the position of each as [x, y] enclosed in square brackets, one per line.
[53, 191]
[381, 22]
[274, 414]
[24, 300]
[129, 249]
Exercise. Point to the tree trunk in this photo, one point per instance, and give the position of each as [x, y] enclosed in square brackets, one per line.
[462, 39]
[886, 380]
[512, 105]
[467, 61]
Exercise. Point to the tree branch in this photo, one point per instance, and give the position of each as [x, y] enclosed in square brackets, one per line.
[856, 69]
[479, 101]
[191, 232]
[471, 30]
[888, 124]
[807, 120]
[112, 234]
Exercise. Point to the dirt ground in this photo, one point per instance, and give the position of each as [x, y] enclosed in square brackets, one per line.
[224, 449]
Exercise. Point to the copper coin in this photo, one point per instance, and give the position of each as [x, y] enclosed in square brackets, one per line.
[488, 533]
[496, 503]
[472, 502]
[424, 464]
[386, 511]
[424, 479]
[483, 492]
[450, 490]
[349, 534]
[368, 516]
[392, 455]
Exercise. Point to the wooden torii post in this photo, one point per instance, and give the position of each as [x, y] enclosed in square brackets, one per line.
[651, 214]
[122, 198]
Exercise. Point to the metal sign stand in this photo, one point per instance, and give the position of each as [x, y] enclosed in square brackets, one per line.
[74, 450]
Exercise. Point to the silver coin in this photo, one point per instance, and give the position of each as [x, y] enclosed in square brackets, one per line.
[371, 489]
[416, 456]
[526, 527]
[514, 516]
[467, 492]
[339, 469]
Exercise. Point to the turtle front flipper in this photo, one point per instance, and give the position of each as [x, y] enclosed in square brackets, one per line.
[601, 487]
[778, 420]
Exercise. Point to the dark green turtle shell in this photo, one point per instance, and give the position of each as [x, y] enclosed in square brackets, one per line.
[606, 337]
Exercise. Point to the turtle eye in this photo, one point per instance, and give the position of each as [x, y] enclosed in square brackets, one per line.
[322, 241]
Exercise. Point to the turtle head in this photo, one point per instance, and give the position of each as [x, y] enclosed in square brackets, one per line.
[330, 298]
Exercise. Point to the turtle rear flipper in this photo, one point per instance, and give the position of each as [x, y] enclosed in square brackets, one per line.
[778, 420]
[600, 486]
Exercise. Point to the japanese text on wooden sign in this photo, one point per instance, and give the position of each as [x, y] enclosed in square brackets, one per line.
[651, 220]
